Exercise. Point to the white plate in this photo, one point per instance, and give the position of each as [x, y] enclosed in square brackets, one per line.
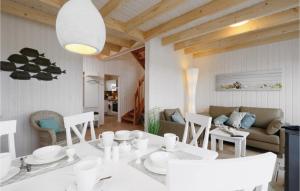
[154, 169]
[36, 161]
[12, 172]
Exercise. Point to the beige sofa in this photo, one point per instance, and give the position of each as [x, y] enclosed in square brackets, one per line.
[257, 138]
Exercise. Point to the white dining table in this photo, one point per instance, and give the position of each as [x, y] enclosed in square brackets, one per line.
[124, 176]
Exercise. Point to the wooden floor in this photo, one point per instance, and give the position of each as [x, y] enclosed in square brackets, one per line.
[111, 124]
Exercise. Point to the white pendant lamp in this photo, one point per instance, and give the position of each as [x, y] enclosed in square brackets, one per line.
[80, 27]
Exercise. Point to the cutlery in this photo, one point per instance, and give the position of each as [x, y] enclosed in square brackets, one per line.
[39, 170]
[104, 178]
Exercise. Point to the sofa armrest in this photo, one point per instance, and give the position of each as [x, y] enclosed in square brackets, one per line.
[171, 127]
[281, 141]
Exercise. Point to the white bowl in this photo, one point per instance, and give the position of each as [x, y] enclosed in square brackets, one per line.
[160, 159]
[123, 134]
[47, 152]
[5, 163]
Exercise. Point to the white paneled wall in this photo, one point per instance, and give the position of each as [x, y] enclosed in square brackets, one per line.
[21, 98]
[129, 72]
[284, 55]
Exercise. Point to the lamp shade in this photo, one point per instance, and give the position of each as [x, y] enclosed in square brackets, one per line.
[192, 78]
[80, 27]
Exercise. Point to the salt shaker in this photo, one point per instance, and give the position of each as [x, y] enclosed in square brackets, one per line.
[107, 153]
[115, 153]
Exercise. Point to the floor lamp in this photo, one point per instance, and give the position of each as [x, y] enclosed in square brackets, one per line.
[192, 78]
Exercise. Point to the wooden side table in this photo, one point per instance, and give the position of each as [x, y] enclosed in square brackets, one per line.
[239, 142]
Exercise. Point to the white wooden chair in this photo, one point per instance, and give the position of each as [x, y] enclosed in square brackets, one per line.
[9, 128]
[72, 122]
[247, 173]
[204, 122]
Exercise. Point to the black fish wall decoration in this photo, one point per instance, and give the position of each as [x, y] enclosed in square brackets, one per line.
[31, 61]
[41, 61]
[18, 59]
[8, 66]
[30, 52]
[30, 68]
[20, 75]
[44, 76]
[54, 70]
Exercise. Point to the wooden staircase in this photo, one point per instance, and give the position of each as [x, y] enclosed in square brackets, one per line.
[135, 115]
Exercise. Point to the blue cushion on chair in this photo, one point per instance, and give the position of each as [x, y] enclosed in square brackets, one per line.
[248, 121]
[50, 123]
[177, 117]
[220, 120]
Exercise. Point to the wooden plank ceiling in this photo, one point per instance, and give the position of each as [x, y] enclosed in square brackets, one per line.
[202, 30]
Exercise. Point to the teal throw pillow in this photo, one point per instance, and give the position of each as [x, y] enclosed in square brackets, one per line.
[220, 120]
[177, 117]
[248, 120]
[50, 123]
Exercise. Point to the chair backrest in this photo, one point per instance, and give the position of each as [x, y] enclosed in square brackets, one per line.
[9, 128]
[244, 173]
[37, 116]
[204, 122]
[72, 122]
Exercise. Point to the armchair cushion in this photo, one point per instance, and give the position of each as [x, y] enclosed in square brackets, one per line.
[169, 112]
[50, 123]
[177, 117]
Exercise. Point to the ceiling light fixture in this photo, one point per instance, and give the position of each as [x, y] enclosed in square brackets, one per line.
[239, 23]
[80, 27]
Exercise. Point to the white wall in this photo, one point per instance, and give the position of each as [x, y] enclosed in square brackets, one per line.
[283, 55]
[21, 98]
[129, 72]
[165, 76]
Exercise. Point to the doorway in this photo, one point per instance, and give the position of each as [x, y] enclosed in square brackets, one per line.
[111, 98]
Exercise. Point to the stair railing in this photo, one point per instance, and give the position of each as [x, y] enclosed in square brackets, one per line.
[139, 101]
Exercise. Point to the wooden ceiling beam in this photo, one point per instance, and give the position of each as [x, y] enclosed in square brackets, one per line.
[161, 7]
[268, 40]
[202, 11]
[109, 22]
[264, 8]
[109, 7]
[119, 41]
[29, 13]
[113, 47]
[253, 25]
[247, 38]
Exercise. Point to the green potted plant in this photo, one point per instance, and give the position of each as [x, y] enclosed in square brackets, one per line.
[153, 121]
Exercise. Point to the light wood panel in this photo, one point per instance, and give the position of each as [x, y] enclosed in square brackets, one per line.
[261, 9]
[19, 10]
[205, 10]
[109, 7]
[254, 25]
[268, 40]
[247, 37]
[157, 9]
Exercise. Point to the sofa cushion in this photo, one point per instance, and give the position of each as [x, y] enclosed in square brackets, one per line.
[215, 111]
[274, 126]
[169, 112]
[264, 116]
[235, 119]
[178, 118]
[248, 120]
[259, 134]
[220, 120]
